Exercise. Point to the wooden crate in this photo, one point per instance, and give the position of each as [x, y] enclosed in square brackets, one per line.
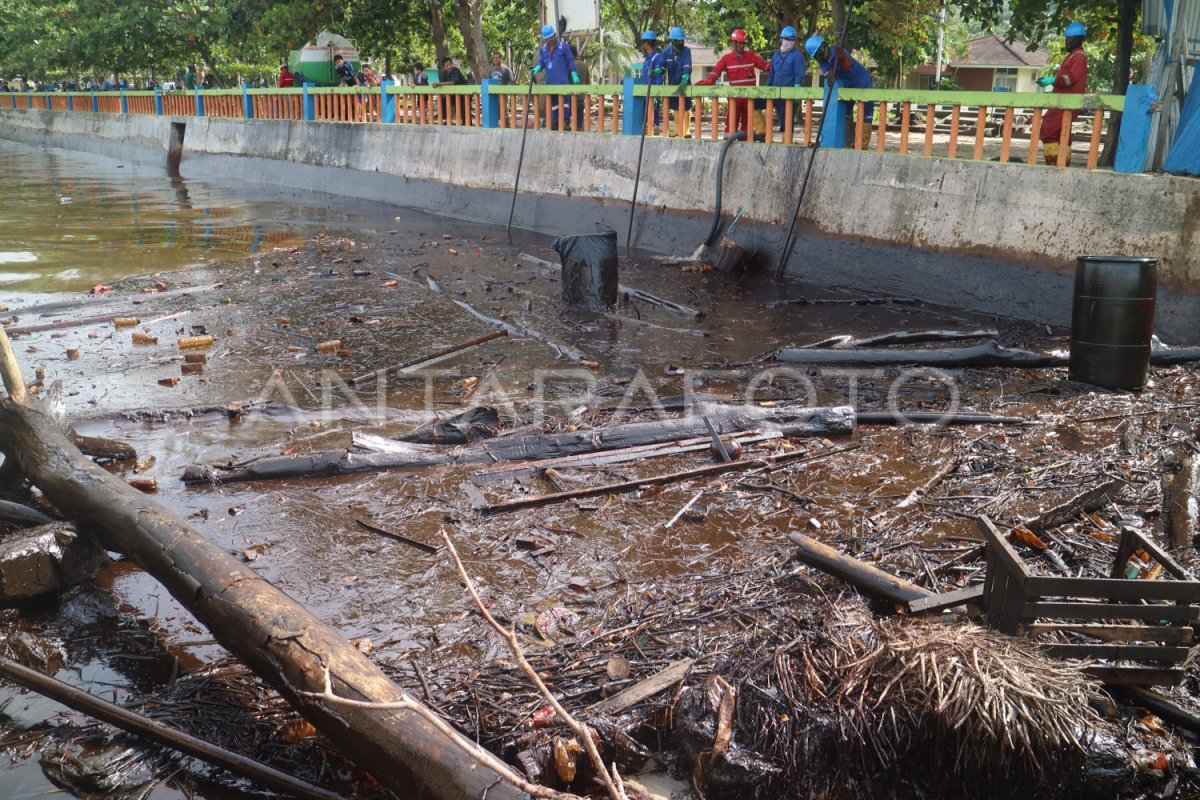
[1148, 622]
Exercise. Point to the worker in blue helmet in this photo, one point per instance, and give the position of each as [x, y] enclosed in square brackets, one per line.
[1071, 78]
[677, 61]
[558, 62]
[838, 65]
[789, 67]
[653, 69]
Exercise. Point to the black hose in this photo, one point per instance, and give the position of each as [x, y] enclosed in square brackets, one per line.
[738, 136]
[789, 241]
[520, 159]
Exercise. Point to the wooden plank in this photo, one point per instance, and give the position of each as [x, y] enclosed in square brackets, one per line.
[1009, 559]
[1172, 566]
[930, 116]
[789, 120]
[769, 117]
[1064, 140]
[1118, 652]
[881, 145]
[866, 577]
[1136, 676]
[1006, 143]
[1035, 131]
[1116, 633]
[698, 119]
[1093, 154]
[980, 130]
[1114, 589]
[627, 698]
[954, 115]
[905, 123]
[808, 122]
[1124, 551]
[1154, 613]
[859, 125]
[948, 600]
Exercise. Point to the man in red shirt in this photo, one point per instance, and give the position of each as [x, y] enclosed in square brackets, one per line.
[740, 65]
[1071, 79]
[286, 78]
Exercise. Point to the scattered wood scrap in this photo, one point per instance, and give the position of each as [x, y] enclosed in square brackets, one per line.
[846, 342]
[867, 578]
[988, 354]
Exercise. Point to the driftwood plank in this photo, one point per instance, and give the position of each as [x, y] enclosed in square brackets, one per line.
[1117, 652]
[1155, 613]
[1116, 633]
[948, 600]
[627, 698]
[1136, 676]
[1113, 589]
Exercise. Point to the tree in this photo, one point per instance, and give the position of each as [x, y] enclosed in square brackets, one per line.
[470, 24]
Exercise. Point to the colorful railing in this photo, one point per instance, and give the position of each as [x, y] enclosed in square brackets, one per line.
[957, 125]
[1015, 118]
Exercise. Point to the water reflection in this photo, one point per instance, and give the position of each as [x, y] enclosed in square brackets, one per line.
[69, 222]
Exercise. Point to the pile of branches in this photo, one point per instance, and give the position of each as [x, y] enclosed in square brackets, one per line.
[905, 709]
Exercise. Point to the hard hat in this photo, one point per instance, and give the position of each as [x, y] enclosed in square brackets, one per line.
[649, 36]
[1076, 29]
[677, 34]
[813, 45]
[547, 31]
[738, 35]
[788, 33]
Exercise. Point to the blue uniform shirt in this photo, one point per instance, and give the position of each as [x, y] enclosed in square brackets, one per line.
[558, 65]
[677, 63]
[852, 74]
[788, 69]
[652, 62]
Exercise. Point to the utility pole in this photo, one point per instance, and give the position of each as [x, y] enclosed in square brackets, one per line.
[937, 70]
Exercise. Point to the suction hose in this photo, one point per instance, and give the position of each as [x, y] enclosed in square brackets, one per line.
[739, 136]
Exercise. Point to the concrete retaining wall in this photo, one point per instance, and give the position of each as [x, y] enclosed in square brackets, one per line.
[984, 235]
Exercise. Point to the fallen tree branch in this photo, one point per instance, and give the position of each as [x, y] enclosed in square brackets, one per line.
[582, 732]
[398, 537]
[22, 515]
[370, 376]
[262, 626]
[988, 354]
[10, 371]
[126, 720]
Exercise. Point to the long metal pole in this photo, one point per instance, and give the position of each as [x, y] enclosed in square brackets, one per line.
[637, 177]
[789, 242]
[521, 158]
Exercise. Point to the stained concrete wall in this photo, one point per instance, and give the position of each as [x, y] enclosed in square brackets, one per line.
[979, 234]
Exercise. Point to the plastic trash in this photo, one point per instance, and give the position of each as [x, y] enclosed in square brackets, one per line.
[590, 268]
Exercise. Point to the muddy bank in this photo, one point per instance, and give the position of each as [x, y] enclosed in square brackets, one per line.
[717, 585]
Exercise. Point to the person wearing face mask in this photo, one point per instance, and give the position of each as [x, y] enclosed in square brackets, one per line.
[789, 67]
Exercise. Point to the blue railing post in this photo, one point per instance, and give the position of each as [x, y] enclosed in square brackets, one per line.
[158, 100]
[837, 117]
[95, 103]
[490, 103]
[199, 103]
[30, 100]
[387, 104]
[124, 101]
[49, 101]
[310, 104]
[70, 102]
[1134, 141]
[247, 102]
[634, 111]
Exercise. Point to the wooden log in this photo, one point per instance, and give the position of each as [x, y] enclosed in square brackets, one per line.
[1163, 707]
[21, 514]
[10, 371]
[1182, 503]
[138, 725]
[903, 337]
[989, 354]
[728, 419]
[869, 579]
[266, 629]
[945, 602]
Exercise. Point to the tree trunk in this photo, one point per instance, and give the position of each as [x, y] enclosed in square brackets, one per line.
[1127, 12]
[866, 577]
[838, 8]
[470, 23]
[259, 624]
[438, 29]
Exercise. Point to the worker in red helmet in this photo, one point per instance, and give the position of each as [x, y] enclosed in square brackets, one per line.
[740, 65]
